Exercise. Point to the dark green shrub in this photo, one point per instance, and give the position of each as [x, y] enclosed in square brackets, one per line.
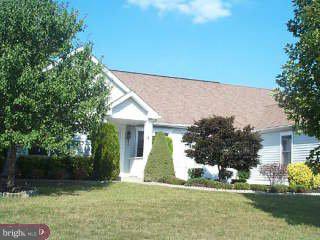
[259, 187]
[2, 160]
[243, 175]
[233, 181]
[198, 182]
[62, 167]
[195, 172]
[106, 152]
[173, 181]
[59, 167]
[160, 163]
[82, 167]
[241, 186]
[297, 188]
[279, 188]
[32, 166]
[202, 182]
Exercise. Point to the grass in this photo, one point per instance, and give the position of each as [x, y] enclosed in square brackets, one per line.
[132, 211]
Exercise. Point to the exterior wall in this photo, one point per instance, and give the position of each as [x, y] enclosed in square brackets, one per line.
[302, 145]
[271, 151]
[180, 161]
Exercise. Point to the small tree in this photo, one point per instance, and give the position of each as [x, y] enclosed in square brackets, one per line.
[49, 90]
[160, 163]
[276, 173]
[106, 152]
[215, 141]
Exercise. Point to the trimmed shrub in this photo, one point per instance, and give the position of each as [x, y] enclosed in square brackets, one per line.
[241, 186]
[59, 167]
[299, 174]
[173, 180]
[259, 187]
[297, 188]
[198, 182]
[32, 166]
[44, 167]
[195, 172]
[243, 175]
[2, 160]
[170, 144]
[233, 181]
[106, 152]
[160, 163]
[316, 181]
[279, 188]
[202, 182]
[82, 168]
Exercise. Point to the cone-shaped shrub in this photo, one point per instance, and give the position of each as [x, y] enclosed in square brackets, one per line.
[159, 164]
[106, 152]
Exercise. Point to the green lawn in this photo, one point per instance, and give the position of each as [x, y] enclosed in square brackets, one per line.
[133, 211]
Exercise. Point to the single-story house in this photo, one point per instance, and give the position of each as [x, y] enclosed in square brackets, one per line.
[143, 104]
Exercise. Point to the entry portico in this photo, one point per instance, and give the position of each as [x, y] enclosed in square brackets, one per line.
[134, 120]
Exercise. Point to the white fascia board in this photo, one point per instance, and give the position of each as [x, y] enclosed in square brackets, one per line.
[275, 129]
[172, 125]
[151, 113]
[111, 76]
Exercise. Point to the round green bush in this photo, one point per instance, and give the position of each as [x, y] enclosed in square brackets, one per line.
[297, 188]
[279, 188]
[243, 175]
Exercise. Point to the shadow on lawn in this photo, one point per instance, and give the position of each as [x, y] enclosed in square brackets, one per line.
[294, 209]
[48, 188]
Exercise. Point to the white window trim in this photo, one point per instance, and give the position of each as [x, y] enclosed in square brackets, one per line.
[138, 129]
[282, 134]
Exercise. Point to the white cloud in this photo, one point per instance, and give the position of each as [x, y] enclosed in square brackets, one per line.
[201, 11]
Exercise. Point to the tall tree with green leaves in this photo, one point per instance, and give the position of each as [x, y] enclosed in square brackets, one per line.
[49, 89]
[299, 83]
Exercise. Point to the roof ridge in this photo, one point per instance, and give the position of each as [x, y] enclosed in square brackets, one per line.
[185, 78]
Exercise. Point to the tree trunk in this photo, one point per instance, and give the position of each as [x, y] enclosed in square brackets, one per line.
[219, 173]
[11, 167]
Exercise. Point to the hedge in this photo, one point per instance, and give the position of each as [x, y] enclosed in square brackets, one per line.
[106, 152]
[195, 172]
[160, 163]
[43, 167]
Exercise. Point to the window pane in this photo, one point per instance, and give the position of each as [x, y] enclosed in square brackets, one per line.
[140, 144]
[286, 142]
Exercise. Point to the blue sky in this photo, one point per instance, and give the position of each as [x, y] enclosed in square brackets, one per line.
[230, 41]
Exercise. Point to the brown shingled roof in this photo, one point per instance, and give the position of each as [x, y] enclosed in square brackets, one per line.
[182, 101]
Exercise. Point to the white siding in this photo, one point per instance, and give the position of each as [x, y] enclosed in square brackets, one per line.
[302, 145]
[270, 153]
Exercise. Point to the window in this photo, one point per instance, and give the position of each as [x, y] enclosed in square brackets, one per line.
[140, 136]
[286, 148]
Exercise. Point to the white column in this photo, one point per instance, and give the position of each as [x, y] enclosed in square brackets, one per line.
[122, 142]
[147, 143]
